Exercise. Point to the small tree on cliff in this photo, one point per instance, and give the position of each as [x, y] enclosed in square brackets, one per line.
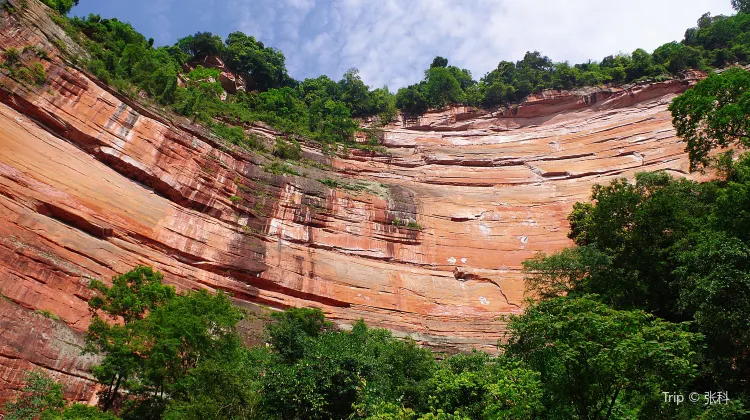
[201, 45]
[62, 6]
[40, 397]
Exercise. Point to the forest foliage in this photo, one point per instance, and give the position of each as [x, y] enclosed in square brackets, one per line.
[327, 111]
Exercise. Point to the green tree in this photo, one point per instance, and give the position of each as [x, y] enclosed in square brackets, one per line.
[283, 108]
[321, 88]
[634, 229]
[477, 386]
[12, 57]
[497, 93]
[331, 122]
[714, 113]
[513, 392]
[290, 150]
[85, 412]
[201, 45]
[161, 337]
[641, 65]
[411, 101]
[676, 57]
[356, 95]
[742, 6]
[439, 62]
[201, 96]
[596, 361]
[565, 272]
[40, 398]
[265, 68]
[324, 384]
[463, 77]
[565, 77]
[293, 329]
[441, 88]
[131, 295]
[715, 289]
[675, 248]
[335, 374]
[129, 299]
[226, 386]
[62, 6]
[385, 104]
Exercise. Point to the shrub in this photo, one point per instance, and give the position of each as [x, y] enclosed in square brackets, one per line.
[278, 168]
[41, 397]
[12, 57]
[330, 183]
[38, 73]
[47, 314]
[287, 150]
[24, 74]
[61, 6]
[38, 50]
[234, 135]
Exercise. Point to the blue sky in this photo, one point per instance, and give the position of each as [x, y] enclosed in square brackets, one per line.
[392, 41]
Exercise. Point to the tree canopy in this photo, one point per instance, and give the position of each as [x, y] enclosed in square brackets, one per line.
[742, 6]
[714, 114]
[314, 108]
[592, 358]
[674, 248]
[61, 6]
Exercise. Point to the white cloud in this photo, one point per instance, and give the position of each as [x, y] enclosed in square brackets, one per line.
[393, 41]
[159, 11]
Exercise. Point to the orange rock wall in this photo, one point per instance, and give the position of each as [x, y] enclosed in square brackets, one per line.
[92, 183]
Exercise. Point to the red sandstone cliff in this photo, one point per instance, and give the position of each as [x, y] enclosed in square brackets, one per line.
[92, 183]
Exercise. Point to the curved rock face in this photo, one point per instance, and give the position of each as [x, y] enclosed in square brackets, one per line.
[426, 240]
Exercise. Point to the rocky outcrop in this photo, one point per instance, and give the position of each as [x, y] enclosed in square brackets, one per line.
[31, 340]
[92, 183]
[231, 82]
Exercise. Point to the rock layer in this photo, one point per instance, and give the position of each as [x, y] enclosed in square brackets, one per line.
[92, 183]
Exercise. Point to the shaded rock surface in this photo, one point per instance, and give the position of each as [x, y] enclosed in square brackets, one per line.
[92, 184]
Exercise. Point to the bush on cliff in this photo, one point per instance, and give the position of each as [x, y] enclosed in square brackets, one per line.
[62, 6]
[41, 397]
